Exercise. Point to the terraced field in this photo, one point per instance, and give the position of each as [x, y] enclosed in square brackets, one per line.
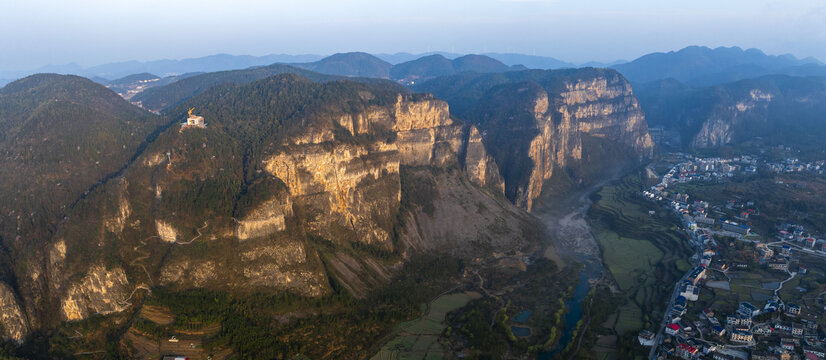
[644, 253]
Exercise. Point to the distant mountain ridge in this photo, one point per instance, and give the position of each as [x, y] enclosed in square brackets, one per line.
[361, 67]
[163, 97]
[165, 67]
[510, 59]
[350, 64]
[222, 62]
[701, 65]
[432, 66]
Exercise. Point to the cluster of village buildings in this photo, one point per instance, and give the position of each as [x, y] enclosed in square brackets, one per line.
[792, 165]
[771, 330]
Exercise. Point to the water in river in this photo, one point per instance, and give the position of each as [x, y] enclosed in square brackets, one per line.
[592, 270]
[565, 219]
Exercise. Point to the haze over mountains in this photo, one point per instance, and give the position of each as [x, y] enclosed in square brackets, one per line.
[696, 65]
[219, 62]
[664, 82]
[318, 180]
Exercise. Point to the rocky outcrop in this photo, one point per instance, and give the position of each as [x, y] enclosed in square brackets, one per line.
[265, 220]
[602, 107]
[284, 265]
[166, 231]
[101, 291]
[190, 273]
[13, 323]
[117, 221]
[480, 167]
[487, 221]
[534, 128]
[358, 184]
[719, 128]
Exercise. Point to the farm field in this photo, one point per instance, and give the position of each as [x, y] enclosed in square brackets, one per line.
[418, 338]
[644, 253]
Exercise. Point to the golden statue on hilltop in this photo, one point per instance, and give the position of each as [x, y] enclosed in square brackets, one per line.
[190, 112]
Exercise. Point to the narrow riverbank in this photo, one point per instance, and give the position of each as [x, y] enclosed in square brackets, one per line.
[565, 219]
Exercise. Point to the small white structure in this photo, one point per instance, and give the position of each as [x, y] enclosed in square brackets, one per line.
[646, 338]
[194, 121]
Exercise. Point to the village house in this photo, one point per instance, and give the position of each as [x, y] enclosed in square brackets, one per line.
[810, 321]
[760, 355]
[797, 330]
[735, 227]
[783, 327]
[741, 336]
[739, 321]
[646, 338]
[689, 292]
[672, 329]
[748, 310]
[764, 251]
[779, 264]
[792, 309]
[708, 313]
[686, 351]
[722, 356]
[697, 275]
[818, 353]
[704, 220]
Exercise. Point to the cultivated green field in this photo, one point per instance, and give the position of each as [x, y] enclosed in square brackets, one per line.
[631, 261]
[418, 339]
[645, 254]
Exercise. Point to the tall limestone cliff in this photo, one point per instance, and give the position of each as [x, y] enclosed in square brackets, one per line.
[13, 323]
[537, 123]
[718, 128]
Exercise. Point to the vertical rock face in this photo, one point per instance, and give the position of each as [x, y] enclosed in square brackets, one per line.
[480, 167]
[719, 128]
[265, 220]
[100, 291]
[534, 128]
[13, 324]
[166, 231]
[358, 184]
[282, 265]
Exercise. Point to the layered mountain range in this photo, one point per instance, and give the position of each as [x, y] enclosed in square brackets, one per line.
[709, 98]
[777, 109]
[325, 178]
[299, 183]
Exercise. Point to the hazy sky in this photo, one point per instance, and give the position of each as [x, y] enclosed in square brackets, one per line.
[34, 33]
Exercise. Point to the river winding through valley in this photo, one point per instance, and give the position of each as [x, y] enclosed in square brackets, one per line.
[573, 239]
